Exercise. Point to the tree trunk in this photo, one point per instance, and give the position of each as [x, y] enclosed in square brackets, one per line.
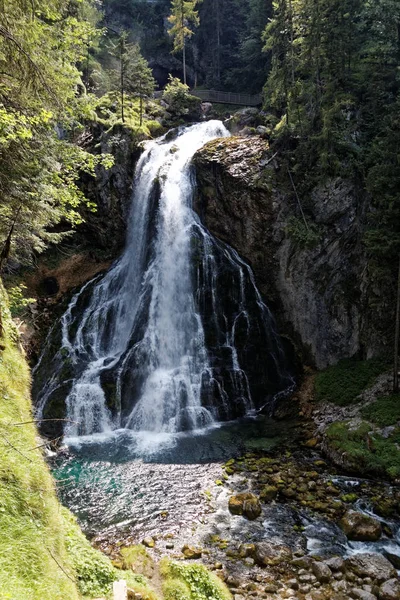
[184, 61]
[122, 80]
[396, 339]
[141, 103]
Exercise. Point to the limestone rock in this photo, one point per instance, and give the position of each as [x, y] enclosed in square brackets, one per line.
[336, 563]
[360, 527]
[394, 558]
[321, 571]
[390, 590]
[375, 566]
[268, 554]
[362, 594]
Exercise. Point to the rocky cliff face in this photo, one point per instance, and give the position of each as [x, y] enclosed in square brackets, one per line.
[313, 276]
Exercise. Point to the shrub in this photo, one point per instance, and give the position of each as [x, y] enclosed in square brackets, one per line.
[191, 582]
[385, 411]
[342, 383]
[365, 450]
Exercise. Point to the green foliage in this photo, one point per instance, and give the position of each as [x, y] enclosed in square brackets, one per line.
[365, 450]
[183, 16]
[18, 301]
[334, 83]
[34, 563]
[305, 237]
[40, 48]
[94, 571]
[191, 582]
[180, 101]
[344, 382]
[385, 411]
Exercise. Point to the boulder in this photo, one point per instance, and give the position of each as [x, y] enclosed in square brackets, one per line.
[390, 590]
[268, 554]
[191, 553]
[360, 527]
[393, 557]
[321, 571]
[268, 493]
[336, 563]
[362, 594]
[246, 504]
[375, 566]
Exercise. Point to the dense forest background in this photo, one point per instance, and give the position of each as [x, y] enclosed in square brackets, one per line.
[328, 69]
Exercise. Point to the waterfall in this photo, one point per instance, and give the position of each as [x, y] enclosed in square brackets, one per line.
[167, 339]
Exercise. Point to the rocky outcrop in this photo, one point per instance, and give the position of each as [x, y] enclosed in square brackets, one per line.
[111, 190]
[312, 273]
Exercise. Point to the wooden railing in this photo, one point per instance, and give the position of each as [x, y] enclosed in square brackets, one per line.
[228, 97]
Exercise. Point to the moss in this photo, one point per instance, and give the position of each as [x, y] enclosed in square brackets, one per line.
[342, 383]
[191, 582]
[34, 563]
[137, 559]
[385, 411]
[366, 451]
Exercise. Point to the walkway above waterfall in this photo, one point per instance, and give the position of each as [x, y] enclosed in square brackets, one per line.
[228, 97]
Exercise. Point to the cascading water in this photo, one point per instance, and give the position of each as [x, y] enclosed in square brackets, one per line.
[175, 336]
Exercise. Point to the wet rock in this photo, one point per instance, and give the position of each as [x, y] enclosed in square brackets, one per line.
[191, 553]
[149, 542]
[360, 527]
[268, 493]
[303, 562]
[311, 443]
[362, 594]
[390, 590]
[268, 554]
[393, 558]
[246, 550]
[375, 566]
[321, 571]
[271, 588]
[246, 504]
[336, 563]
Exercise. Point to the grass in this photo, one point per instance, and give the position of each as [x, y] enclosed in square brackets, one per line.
[367, 452]
[34, 563]
[344, 382]
[192, 581]
[384, 412]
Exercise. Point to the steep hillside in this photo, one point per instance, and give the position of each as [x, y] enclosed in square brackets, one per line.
[33, 558]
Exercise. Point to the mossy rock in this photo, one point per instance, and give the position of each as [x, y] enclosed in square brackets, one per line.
[246, 504]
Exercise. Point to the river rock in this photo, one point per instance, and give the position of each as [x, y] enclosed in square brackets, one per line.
[246, 504]
[394, 558]
[191, 553]
[321, 571]
[268, 493]
[360, 527]
[336, 563]
[390, 590]
[362, 594]
[268, 554]
[375, 566]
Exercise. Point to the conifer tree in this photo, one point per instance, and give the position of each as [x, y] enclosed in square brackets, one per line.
[184, 16]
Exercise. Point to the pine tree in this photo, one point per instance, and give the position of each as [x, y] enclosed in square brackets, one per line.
[184, 16]
[139, 80]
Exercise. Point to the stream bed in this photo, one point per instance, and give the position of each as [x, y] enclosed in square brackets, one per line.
[126, 488]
